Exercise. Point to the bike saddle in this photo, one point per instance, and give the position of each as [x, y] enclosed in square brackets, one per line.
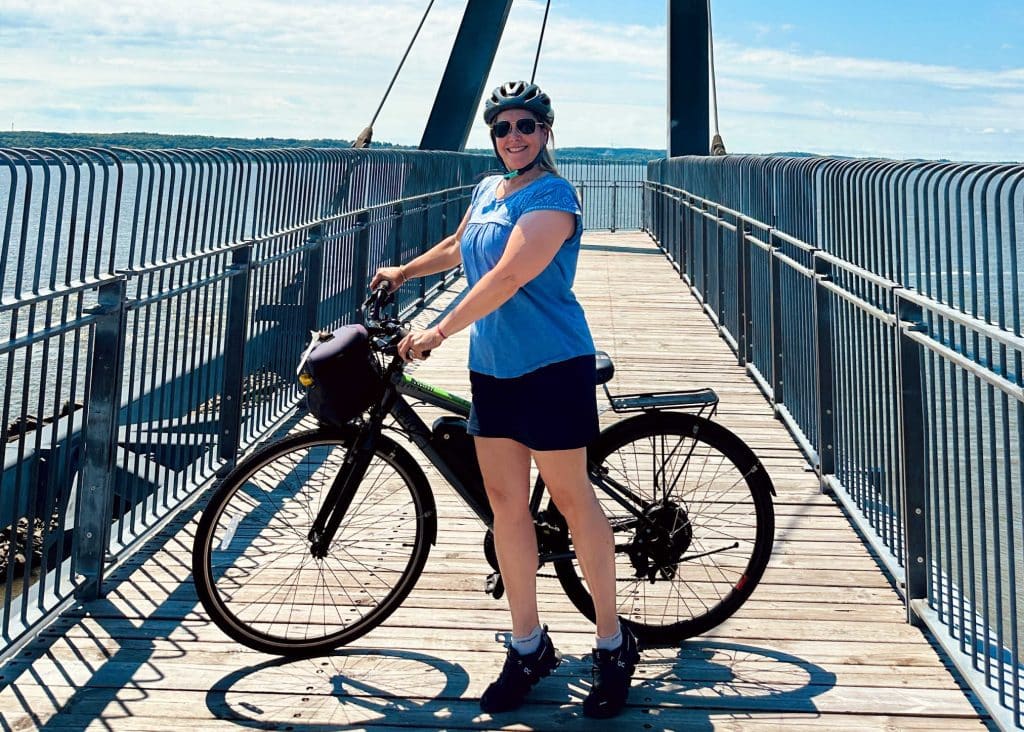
[605, 368]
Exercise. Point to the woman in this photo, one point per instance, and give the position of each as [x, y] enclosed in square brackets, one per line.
[531, 360]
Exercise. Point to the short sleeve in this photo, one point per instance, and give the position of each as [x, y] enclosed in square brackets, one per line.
[476, 192]
[558, 195]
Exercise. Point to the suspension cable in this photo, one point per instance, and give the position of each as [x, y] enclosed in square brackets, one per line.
[367, 134]
[717, 145]
[540, 41]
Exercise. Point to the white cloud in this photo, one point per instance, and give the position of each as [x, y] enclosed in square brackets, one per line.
[766, 63]
[266, 68]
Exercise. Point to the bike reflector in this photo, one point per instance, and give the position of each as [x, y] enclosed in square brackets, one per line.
[340, 376]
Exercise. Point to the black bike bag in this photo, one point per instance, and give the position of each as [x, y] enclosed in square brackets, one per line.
[341, 377]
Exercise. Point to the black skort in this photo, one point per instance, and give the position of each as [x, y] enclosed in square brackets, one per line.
[552, 408]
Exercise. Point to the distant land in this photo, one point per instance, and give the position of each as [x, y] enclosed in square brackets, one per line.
[153, 141]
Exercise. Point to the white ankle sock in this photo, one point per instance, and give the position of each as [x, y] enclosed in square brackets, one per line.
[610, 643]
[528, 643]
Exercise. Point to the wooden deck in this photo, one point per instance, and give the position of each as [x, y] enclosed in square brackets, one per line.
[822, 643]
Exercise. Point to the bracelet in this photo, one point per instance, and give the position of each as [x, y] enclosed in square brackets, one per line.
[405, 277]
[440, 332]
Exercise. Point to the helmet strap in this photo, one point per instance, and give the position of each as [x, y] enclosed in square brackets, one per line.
[519, 171]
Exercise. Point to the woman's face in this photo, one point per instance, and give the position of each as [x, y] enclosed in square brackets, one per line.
[516, 149]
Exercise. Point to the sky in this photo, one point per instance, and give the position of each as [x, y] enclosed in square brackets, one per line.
[895, 79]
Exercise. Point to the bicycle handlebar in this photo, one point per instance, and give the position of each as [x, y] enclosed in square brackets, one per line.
[385, 331]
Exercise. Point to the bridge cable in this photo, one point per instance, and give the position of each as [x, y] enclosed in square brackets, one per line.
[717, 146]
[540, 41]
[366, 135]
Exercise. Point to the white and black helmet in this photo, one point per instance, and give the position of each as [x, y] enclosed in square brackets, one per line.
[519, 95]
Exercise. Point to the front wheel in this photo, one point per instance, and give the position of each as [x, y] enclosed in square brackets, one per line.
[252, 563]
[691, 512]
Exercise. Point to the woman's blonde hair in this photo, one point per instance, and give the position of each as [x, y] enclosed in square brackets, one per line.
[546, 159]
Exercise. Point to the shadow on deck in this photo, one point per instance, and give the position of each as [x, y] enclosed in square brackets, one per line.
[822, 643]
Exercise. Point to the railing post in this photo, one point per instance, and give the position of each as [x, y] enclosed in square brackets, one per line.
[615, 188]
[673, 231]
[659, 214]
[398, 221]
[665, 227]
[312, 275]
[96, 488]
[361, 261]
[704, 276]
[720, 274]
[397, 226]
[645, 199]
[913, 457]
[824, 369]
[687, 238]
[742, 291]
[423, 245]
[234, 355]
[775, 271]
[677, 222]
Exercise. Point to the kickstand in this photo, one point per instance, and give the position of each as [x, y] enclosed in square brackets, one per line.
[495, 587]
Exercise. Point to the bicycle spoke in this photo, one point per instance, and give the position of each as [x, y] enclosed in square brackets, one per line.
[263, 572]
[695, 527]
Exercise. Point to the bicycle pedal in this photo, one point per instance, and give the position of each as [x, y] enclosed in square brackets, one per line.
[495, 586]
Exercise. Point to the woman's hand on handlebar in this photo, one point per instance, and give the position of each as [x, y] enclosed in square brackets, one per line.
[394, 276]
[417, 344]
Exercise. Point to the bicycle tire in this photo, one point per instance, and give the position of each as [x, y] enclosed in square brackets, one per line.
[251, 560]
[717, 488]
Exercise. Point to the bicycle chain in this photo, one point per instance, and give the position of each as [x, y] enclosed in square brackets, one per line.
[545, 575]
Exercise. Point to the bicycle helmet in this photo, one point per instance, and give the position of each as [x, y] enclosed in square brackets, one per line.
[519, 95]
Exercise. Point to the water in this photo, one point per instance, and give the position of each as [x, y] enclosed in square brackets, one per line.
[612, 193]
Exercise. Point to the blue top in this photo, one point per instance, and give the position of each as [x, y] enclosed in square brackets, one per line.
[542, 323]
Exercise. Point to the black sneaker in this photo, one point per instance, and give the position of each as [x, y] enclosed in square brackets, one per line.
[519, 674]
[612, 673]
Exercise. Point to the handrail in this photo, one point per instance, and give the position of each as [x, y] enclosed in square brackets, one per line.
[892, 348]
[155, 301]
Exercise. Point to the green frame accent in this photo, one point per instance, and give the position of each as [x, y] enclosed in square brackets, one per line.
[437, 396]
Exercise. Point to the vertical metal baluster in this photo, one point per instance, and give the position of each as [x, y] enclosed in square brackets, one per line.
[397, 237]
[361, 264]
[234, 354]
[775, 273]
[912, 441]
[720, 269]
[423, 244]
[743, 291]
[95, 498]
[312, 276]
[615, 188]
[823, 368]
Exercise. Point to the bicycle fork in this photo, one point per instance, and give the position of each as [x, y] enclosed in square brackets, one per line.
[341, 493]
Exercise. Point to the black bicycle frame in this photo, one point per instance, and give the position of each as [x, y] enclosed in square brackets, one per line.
[412, 425]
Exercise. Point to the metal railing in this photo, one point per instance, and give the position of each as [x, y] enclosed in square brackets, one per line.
[611, 192]
[155, 303]
[877, 304]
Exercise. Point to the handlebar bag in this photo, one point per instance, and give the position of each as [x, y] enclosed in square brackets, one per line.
[342, 378]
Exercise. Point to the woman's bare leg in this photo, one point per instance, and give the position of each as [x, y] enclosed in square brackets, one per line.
[565, 474]
[505, 465]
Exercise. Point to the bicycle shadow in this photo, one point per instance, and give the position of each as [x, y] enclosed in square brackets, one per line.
[348, 687]
[673, 688]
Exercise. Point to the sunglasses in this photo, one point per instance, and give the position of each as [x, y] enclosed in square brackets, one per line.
[526, 126]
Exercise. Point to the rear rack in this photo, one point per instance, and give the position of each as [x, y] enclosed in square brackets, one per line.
[697, 400]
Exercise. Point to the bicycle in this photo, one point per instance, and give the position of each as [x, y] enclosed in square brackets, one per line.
[317, 538]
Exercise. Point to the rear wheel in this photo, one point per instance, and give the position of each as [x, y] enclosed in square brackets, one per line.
[251, 561]
[693, 528]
